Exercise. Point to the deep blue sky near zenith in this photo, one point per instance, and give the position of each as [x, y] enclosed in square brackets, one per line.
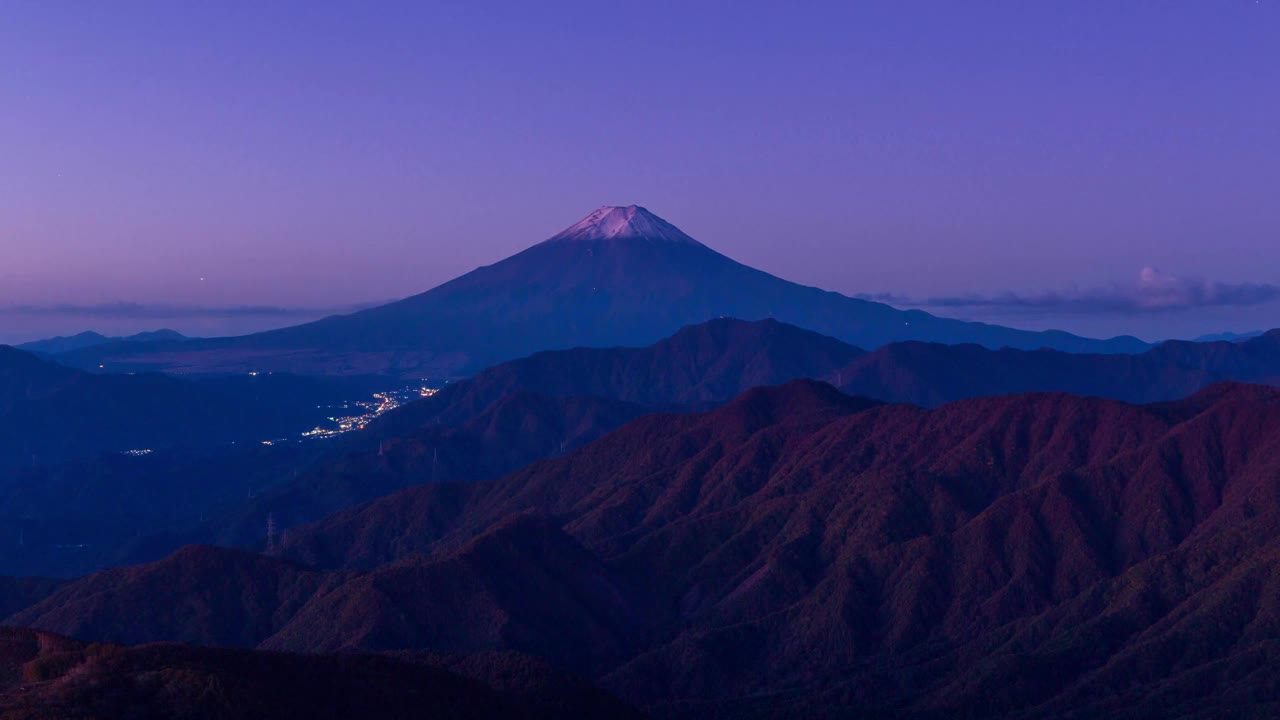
[1103, 167]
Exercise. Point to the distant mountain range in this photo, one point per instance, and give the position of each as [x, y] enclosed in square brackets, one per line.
[88, 339]
[619, 277]
[931, 374]
[1229, 336]
[495, 423]
[534, 408]
[801, 553]
[709, 363]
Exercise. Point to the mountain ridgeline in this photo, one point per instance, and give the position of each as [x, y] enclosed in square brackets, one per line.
[48, 677]
[81, 341]
[801, 553]
[704, 526]
[552, 402]
[93, 513]
[619, 277]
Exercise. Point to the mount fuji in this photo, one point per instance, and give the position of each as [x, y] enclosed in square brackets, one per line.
[619, 276]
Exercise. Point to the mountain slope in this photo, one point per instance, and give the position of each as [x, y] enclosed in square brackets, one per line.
[203, 595]
[533, 408]
[523, 585]
[81, 516]
[932, 374]
[69, 519]
[801, 553]
[699, 365]
[495, 422]
[512, 432]
[47, 676]
[19, 593]
[541, 406]
[621, 276]
[897, 555]
[707, 364]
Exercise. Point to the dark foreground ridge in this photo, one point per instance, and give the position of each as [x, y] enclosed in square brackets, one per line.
[45, 676]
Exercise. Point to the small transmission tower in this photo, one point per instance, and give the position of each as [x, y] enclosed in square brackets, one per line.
[271, 532]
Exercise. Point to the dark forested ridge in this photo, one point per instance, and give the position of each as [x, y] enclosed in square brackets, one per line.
[95, 512]
[49, 677]
[800, 551]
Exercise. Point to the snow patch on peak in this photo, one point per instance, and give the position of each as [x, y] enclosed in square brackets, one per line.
[620, 222]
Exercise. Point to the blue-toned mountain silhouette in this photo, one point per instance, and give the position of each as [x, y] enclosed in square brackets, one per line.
[620, 276]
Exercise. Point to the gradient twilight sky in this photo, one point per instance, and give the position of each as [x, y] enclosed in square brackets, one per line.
[1021, 162]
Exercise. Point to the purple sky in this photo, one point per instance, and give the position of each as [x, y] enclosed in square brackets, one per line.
[1019, 162]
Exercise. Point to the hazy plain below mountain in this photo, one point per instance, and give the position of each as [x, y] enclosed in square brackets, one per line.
[50, 413]
[621, 276]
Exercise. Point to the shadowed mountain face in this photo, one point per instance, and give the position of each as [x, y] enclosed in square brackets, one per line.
[621, 276]
[799, 552]
[542, 406]
[73, 518]
[514, 431]
[707, 364]
[202, 595]
[48, 676]
[701, 365]
[79, 517]
[522, 585]
[19, 593]
[552, 402]
[931, 374]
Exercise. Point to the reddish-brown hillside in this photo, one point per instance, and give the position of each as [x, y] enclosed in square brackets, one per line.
[798, 552]
[44, 676]
[205, 595]
[524, 585]
[552, 402]
[793, 541]
[537, 407]
[513, 431]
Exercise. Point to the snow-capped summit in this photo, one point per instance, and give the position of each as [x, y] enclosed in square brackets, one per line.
[621, 276]
[620, 222]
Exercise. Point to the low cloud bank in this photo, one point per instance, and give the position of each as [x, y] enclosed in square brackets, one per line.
[1153, 291]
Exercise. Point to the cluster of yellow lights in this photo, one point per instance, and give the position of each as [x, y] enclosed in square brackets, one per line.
[381, 403]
